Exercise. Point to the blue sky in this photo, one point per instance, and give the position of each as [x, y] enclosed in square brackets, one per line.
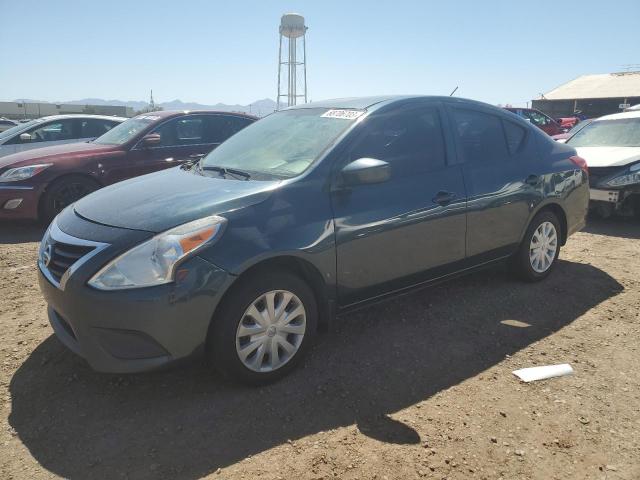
[226, 51]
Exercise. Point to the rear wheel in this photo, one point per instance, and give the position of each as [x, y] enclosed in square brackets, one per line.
[64, 192]
[263, 328]
[540, 248]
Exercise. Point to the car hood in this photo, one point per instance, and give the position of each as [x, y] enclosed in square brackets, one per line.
[50, 154]
[162, 200]
[609, 156]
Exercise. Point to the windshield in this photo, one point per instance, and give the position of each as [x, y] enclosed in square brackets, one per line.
[126, 130]
[18, 128]
[579, 126]
[284, 144]
[623, 132]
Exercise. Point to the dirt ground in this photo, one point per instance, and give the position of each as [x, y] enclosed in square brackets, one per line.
[419, 387]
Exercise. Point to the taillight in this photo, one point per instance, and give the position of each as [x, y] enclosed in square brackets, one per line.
[580, 162]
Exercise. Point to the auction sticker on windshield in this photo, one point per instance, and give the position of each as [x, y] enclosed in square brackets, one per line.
[346, 114]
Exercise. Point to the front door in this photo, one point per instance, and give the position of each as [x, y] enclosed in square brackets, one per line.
[180, 138]
[397, 233]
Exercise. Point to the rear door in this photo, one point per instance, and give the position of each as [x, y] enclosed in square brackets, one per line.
[498, 159]
[394, 234]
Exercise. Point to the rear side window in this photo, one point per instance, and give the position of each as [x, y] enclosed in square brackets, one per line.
[480, 135]
[411, 141]
[220, 127]
[94, 127]
[515, 136]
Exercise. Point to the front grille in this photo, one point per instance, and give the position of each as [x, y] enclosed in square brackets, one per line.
[597, 174]
[63, 256]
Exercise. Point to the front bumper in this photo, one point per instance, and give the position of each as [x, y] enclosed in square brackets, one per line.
[18, 202]
[135, 330]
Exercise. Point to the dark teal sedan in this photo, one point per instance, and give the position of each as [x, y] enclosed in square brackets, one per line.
[314, 210]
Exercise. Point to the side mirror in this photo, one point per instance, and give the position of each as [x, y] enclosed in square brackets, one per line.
[25, 137]
[365, 171]
[151, 140]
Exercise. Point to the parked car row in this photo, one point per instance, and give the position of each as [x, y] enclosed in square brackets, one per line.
[312, 211]
[38, 184]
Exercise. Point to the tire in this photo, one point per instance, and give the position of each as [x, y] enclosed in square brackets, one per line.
[522, 264]
[225, 341]
[63, 192]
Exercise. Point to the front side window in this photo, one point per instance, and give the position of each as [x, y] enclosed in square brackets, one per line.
[127, 130]
[284, 144]
[220, 127]
[411, 141]
[537, 118]
[181, 131]
[480, 135]
[622, 132]
[55, 131]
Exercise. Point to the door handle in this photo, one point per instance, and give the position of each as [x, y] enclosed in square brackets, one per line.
[443, 198]
[532, 180]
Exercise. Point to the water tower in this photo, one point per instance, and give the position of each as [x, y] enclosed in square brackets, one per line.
[292, 31]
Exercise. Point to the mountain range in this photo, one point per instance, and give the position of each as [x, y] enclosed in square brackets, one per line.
[259, 107]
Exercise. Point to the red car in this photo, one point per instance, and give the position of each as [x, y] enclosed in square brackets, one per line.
[37, 184]
[539, 119]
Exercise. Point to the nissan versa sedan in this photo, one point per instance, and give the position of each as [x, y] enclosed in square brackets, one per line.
[40, 183]
[310, 212]
[54, 130]
[611, 146]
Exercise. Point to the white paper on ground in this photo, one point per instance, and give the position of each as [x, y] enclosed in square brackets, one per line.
[541, 373]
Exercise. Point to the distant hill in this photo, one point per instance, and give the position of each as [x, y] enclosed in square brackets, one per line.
[259, 107]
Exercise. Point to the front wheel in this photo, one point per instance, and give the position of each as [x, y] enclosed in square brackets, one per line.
[63, 192]
[539, 250]
[263, 327]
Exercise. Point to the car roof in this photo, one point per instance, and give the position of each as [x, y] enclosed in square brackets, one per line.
[617, 116]
[80, 115]
[364, 103]
[173, 113]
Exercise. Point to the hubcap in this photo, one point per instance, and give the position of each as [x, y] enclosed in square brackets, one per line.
[271, 331]
[543, 247]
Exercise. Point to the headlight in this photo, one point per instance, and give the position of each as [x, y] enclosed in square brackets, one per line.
[629, 177]
[22, 173]
[154, 261]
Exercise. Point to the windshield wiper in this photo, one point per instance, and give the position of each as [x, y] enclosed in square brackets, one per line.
[224, 171]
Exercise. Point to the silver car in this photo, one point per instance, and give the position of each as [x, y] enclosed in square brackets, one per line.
[55, 130]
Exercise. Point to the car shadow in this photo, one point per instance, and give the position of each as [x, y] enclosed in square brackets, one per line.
[623, 227]
[187, 422]
[21, 232]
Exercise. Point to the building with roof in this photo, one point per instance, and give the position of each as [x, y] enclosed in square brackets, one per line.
[593, 95]
[23, 110]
